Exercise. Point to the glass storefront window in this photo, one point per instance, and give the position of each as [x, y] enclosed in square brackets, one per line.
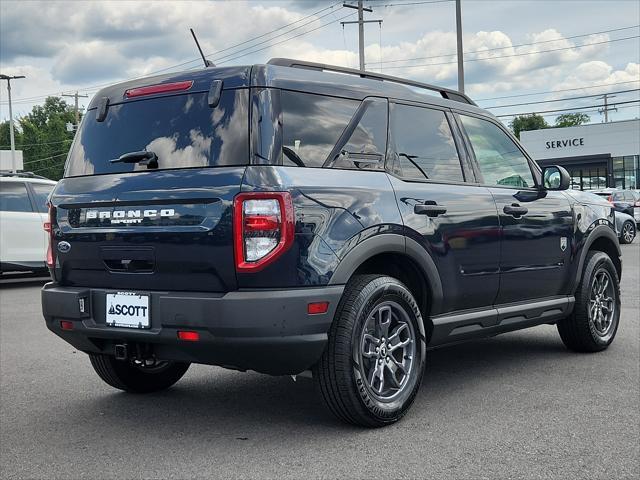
[626, 173]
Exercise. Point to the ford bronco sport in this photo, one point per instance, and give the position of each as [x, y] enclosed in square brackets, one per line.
[295, 217]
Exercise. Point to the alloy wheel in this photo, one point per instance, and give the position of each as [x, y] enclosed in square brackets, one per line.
[602, 303]
[387, 350]
[628, 232]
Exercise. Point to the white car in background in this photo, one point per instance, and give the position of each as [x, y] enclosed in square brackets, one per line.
[23, 211]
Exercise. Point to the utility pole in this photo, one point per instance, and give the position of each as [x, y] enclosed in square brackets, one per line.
[76, 96]
[459, 42]
[606, 107]
[361, 21]
[8, 78]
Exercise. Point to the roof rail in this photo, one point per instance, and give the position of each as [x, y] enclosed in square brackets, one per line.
[445, 92]
[9, 173]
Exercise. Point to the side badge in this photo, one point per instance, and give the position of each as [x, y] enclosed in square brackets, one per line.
[563, 243]
[64, 247]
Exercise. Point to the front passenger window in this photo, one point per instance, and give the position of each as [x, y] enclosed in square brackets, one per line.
[500, 160]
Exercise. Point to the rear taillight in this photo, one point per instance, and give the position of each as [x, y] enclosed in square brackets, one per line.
[610, 199]
[263, 228]
[48, 227]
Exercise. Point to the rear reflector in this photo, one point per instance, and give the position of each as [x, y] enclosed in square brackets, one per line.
[66, 325]
[188, 336]
[161, 88]
[317, 307]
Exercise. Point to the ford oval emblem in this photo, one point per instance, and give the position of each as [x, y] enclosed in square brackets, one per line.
[64, 247]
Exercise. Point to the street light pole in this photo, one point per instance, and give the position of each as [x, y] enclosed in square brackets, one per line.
[459, 42]
[8, 78]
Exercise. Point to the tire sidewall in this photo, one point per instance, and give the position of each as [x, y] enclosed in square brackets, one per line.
[601, 261]
[387, 290]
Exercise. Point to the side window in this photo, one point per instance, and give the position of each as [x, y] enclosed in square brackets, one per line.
[499, 158]
[14, 197]
[312, 125]
[41, 191]
[367, 141]
[423, 144]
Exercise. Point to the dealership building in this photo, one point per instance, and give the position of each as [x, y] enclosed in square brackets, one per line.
[598, 155]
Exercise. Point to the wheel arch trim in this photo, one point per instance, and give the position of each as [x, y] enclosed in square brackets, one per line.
[391, 243]
[601, 231]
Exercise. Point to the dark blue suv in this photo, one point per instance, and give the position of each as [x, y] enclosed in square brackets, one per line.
[296, 217]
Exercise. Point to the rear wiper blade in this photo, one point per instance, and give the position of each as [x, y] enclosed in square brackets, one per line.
[144, 157]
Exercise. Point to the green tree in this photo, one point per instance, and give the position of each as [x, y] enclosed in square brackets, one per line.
[532, 121]
[572, 119]
[43, 138]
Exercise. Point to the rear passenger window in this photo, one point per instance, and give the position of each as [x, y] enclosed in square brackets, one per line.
[41, 192]
[424, 144]
[500, 160]
[312, 125]
[14, 197]
[367, 142]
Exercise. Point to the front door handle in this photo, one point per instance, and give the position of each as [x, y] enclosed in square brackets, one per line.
[430, 210]
[515, 210]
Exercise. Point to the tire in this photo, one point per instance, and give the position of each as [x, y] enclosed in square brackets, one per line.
[584, 330]
[628, 233]
[126, 375]
[355, 379]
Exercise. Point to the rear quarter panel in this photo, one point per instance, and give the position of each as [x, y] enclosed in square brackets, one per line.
[335, 210]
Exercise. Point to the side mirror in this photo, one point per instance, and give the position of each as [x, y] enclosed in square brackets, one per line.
[555, 177]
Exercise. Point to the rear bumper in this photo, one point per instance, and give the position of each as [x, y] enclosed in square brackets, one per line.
[268, 331]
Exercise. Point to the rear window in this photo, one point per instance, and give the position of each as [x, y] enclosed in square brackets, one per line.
[182, 130]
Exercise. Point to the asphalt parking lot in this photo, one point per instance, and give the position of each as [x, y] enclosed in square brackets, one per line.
[516, 406]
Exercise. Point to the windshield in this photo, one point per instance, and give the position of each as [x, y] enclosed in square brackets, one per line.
[182, 130]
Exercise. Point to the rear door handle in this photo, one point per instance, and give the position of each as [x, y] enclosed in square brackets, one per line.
[429, 210]
[515, 210]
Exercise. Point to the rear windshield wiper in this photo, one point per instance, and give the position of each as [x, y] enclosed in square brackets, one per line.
[415, 164]
[144, 157]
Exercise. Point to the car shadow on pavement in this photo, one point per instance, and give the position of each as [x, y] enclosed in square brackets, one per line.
[233, 403]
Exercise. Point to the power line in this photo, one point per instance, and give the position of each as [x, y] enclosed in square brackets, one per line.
[98, 86]
[46, 158]
[512, 46]
[512, 55]
[562, 109]
[410, 3]
[557, 91]
[233, 54]
[255, 38]
[288, 39]
[596, 110]
[560, 99]
[37, 144]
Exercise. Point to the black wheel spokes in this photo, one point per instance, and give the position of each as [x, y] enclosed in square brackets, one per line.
[602, 303]
[387, 350]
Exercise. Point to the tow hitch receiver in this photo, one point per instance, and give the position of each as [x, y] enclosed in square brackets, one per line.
[121, 352]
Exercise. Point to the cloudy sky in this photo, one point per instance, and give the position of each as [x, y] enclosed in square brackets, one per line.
[587, 47]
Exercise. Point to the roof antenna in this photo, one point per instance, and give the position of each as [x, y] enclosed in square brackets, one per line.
[207, 63]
